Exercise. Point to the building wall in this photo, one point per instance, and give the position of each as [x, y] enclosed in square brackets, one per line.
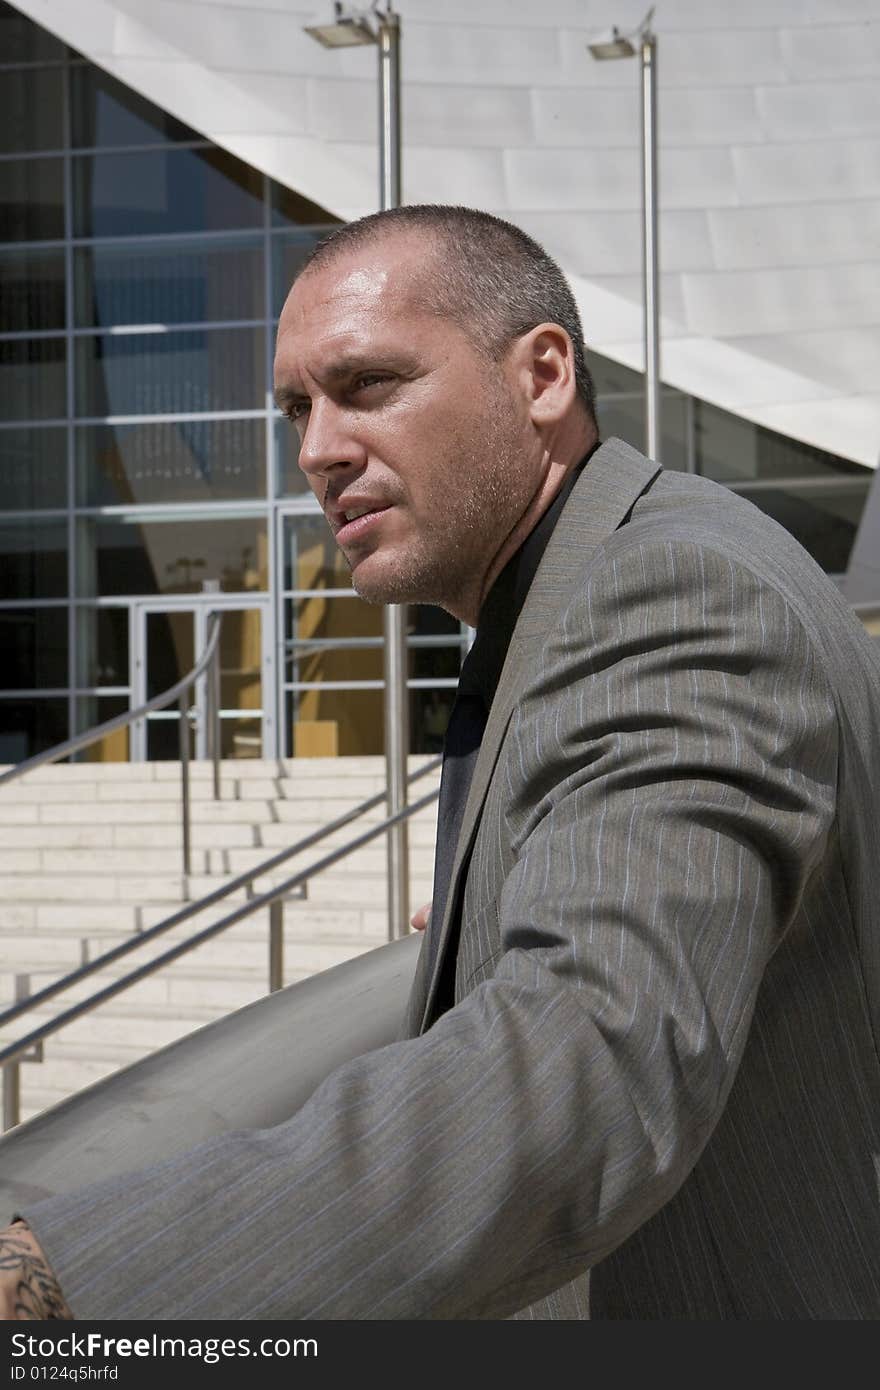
[142, 269]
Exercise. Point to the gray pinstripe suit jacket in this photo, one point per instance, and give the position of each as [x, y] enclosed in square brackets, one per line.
[663, 1062]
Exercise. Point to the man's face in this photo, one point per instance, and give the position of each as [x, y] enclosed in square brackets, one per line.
[415, 444]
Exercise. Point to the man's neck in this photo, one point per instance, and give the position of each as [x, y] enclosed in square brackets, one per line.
[554, 479]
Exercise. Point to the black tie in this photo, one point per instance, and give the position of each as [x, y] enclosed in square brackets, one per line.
[464, 733]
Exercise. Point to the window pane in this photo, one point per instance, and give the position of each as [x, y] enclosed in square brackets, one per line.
[22, 41]
[31, 200]
[28, 727]
[33, 469]
[288, 255]
[824, 523]
[33, 559]
[291, 481]
[106, 112]
[170, 557]
[184, 461]
[169, 283]
[171, 373]
[31, 291]
[312, 559]
[331, 723]
[333, 639]
[624, 417]
[30, 110]
[33, 384]
[97, 709]
[101, 646]
[611, 378]
[164, 191]
[34, 646]
[731, 449]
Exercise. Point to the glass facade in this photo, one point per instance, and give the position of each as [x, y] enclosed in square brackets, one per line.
[145, 475]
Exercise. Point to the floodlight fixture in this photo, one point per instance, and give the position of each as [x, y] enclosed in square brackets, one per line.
[350, 28]
[620, 45]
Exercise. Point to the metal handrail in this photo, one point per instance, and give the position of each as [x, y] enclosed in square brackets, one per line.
[242, 880]
[12, 1055]
[177, 691]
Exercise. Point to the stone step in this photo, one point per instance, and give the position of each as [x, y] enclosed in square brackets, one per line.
[93, 856]
[95, 887]
[109, 860]
[75, 835]
[168, 770]
[147, 813]
[370, 858]
[123, 1022]
[79, 917]
[222, 960]
[272, 836]
[303, 921]
[322, 892]
[85, 793]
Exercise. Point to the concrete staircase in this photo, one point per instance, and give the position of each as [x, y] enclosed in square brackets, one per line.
[92, 857]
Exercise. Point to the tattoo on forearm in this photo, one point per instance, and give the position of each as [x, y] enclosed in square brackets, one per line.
[36, 1291]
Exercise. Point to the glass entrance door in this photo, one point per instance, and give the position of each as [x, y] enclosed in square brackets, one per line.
[167, 641]
[170, 647]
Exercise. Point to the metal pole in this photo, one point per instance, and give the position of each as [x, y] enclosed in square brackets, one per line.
[276, 945]
[183, 704]
[395, 657]
[11, 1095]
[12, 1070]
[650, 254]
[389, 111]
[214, 704]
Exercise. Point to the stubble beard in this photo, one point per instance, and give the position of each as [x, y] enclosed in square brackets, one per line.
[453, 553]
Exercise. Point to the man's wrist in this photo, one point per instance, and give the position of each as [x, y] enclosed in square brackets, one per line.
[28, 1287]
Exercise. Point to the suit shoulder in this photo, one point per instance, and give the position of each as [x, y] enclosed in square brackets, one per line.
[724, 533]
[681, 509]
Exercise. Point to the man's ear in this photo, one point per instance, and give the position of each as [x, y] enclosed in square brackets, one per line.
[545, 372]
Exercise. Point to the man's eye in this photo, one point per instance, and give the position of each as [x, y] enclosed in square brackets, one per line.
[297, 410]
[368, 379]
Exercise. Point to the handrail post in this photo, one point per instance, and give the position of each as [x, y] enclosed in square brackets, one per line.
[183, 703]
[214, 707]
[276, 945]
[12, 1070]
[11, 1094]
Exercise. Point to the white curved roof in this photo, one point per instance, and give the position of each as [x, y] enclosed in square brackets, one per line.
[769, 132]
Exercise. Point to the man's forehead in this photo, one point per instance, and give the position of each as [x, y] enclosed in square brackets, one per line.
[384, 273]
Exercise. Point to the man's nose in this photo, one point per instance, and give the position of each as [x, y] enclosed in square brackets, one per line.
[328, 443]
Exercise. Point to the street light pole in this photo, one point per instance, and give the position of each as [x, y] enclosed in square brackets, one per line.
[352, 26]
[389, 109]
[395, 664]
[650, 252]
[619, 45]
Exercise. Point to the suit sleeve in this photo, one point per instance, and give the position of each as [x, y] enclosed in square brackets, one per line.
[670, 787]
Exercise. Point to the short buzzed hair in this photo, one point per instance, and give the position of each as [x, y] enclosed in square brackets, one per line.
[491, 278]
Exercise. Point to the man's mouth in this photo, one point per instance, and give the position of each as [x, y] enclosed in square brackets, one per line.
[357, 520]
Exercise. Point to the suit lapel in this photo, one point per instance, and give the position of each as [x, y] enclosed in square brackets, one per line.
[600, 501]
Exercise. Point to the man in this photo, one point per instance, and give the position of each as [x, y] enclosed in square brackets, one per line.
[643, 1037]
